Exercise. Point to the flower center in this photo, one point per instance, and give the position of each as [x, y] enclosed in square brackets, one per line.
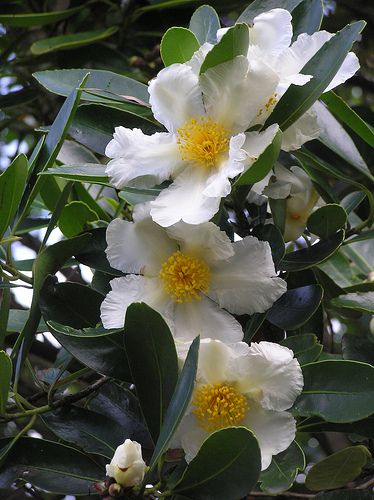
[202, 141]
[185, 277]
[218, 406]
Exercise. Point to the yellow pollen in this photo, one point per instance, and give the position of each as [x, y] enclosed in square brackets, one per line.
[202, 142]
[218, 406]
[185, 277]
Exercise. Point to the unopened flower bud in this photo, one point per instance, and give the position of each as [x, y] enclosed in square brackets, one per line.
[115, 490]
[127, 466]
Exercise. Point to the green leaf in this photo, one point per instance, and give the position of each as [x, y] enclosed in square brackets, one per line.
[306, 347]
[94, 254]
[178, 46]
[153, 362]
[92, 432]
[307, 17]
[278, 211]
[271, 234]
[346, 495]
[357, 301]
[358, 348]
[5, 379]
[71, 41]
[179, 402]
[323, 66]
[260, 6]
[50, 466]
[226, 467]
[252, 326]
[37, 18]
[293, 309]
[88, 172]
[205, 24]
[137, 195]
[17, 320]
[337, 469]
[103, 353]
[64, 81]
[233, 43]
[365, 235]
[311, 256]
[262, 166]
[341, 110]
[337, 391]
[327, 220]
[282, 471]
[12, 184]
[74, 218]
[352, 201]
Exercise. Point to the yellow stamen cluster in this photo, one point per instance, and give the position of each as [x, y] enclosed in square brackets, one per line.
[202, 142]
[185, 277]
[218, 406]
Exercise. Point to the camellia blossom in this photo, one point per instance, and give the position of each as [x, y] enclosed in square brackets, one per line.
[238, 385]
[127, 466]
[192, 275]
[206, 117]
[297, 189]
[270, 40]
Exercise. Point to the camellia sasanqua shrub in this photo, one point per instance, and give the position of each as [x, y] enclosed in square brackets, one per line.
[225, 211]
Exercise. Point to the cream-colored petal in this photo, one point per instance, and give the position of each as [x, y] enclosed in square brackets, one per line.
[138, 247]
[256, 143]
[141, 160]
[272, 31]
[304, 129]
[175, 96]
[246, 283]
[349, 67]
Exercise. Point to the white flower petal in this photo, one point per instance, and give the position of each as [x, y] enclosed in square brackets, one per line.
[129, 289]
[227, 95]
[141, 160]
[204, 317]
[274, 431]
[175, 96]
[184, 200]
[256, 143]
[303, 130]
[198, 58]
[271, 375]
[204, 241]
[246, 283]
[349, 67]
[272, 31]
[138, 247]
[191, 437]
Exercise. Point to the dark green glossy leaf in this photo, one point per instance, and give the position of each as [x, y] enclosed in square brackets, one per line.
[94, 254]
[342, 111]
[92, 432]
[295, 307]
[271, 233]
[278, 211]
[337, 469]
[153, 362]
[327, 220]
[233, 43]
[264, 164]
[136, 195]
[17, 320]
[71, 41]
[323, 66]
[281, 473]
[178, 46]
[75, 217]
[89, 172]
[50, 466]
[205, 24]
[226, 467]
[64, 81]
[358, 348]
[337, 391]
[364, 427]
[37, 18]
[12, 184]
[179, 402]
[307, 17]
[365, 235]
[259, 6]
[346, 495]
[252, 326]
[352, 201]
[359, 301]
[306, 347]
[5, 379]
[311, 256]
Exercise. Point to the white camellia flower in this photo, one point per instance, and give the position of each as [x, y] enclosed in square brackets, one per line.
[295, 186]
[205, 145]
[270, 40]
[238, 385]
[127, 466]
[192, 275]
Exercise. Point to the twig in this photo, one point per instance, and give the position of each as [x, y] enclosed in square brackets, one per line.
[365, 485]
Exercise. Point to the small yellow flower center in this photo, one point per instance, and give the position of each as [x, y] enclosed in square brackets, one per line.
[218, 406]
[185, 277]
[203, 142]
